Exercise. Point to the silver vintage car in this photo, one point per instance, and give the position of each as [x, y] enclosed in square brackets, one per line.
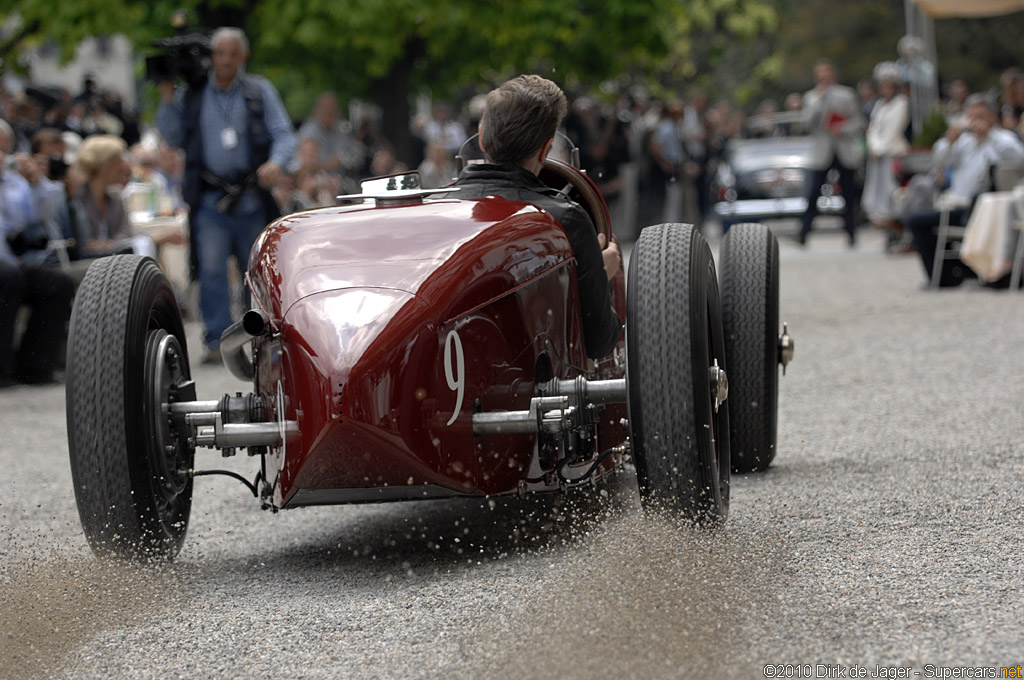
[764, 175]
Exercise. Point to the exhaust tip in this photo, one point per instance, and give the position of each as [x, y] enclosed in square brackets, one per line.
[255, 322]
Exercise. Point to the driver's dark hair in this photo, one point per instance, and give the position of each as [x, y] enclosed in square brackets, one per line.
[519, 117]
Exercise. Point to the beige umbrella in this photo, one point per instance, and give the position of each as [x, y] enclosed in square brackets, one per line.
[942, 9]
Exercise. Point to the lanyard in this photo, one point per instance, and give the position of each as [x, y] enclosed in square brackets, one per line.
[227, 109]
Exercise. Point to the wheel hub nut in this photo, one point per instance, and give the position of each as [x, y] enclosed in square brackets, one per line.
[719, 384]
[786, 348]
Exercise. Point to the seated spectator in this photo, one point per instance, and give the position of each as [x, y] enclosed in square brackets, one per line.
[1012, 98]
[46, 291]
[971, 153]
[319, 185]
[101, 220]
[24, 122]
[171, 167]
[443, 130]
[369, 141]
[385, 163]
[48, 143]
[438, 168]
[338, 152]
[48, 201]
[294, 192]
[50, 152]
[148, 194]
[55, 116]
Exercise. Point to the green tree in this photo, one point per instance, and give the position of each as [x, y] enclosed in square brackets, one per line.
[390, 50]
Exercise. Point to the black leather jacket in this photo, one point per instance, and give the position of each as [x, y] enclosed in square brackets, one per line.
[601, 326]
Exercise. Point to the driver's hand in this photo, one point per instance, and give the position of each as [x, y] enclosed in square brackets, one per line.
[611, 255]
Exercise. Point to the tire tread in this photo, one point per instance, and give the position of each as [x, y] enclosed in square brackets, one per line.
[750, 315]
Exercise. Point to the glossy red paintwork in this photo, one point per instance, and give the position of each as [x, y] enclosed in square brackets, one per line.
[365, 299]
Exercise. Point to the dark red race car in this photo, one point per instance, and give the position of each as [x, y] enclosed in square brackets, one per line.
[410, 347]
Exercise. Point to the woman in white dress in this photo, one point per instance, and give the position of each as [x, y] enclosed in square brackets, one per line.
[886, 140]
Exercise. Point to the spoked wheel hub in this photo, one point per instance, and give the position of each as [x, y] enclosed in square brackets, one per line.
[170, 453]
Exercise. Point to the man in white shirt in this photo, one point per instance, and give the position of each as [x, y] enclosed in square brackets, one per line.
[970, 152]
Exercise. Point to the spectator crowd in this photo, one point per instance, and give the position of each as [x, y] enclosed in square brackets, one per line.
[79, 174]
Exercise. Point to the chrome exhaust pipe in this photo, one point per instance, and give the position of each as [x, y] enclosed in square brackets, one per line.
[253, 323]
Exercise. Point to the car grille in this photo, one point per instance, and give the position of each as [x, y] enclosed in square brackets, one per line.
[779, 183]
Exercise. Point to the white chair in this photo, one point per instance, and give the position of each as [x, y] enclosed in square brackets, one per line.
[1017, 223]
[1006, 176]
[1010, 177]
[948, 234]
[58, 247]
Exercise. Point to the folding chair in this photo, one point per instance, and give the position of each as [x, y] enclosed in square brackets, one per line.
[1006, 176]
[948, 235]
[1017, 223]
[58, 247]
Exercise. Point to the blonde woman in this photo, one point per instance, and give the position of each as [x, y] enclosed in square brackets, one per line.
[101, 223]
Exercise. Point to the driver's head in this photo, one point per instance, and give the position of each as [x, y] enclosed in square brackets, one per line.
[520, 117]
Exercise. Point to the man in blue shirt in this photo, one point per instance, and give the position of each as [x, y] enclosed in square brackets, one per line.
[237, 138]
[46, 291]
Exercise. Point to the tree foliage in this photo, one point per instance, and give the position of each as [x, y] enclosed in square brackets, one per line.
[348, 44]
[738, 49]
[389, 48]
[858, 35]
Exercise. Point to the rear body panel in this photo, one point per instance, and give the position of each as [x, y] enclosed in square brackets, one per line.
[393, 325]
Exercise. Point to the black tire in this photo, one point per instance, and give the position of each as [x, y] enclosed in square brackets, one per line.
[126, 355]
[750, 314]
[680, 442]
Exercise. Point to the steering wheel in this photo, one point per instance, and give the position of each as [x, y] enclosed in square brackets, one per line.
[576, 186]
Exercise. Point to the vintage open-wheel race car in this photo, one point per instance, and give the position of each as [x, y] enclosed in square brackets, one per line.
[412, 347]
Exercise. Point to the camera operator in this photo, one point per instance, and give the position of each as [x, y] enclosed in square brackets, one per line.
[46, 290]
[46, 172]
[237, 138]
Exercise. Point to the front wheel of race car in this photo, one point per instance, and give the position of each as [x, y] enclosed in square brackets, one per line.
[750, 314]
[127, 360]
[677, 385]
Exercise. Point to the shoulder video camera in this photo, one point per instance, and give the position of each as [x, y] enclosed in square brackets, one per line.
[185, 56]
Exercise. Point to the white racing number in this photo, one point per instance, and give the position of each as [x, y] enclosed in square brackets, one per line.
[455, 371]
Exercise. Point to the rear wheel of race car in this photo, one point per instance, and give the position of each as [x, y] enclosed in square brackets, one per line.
[750, 314]
[127, 359]
[679, 419]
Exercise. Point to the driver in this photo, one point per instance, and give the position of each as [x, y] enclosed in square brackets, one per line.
[516, 132]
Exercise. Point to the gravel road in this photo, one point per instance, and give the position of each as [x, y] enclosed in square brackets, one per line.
[887, 533]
